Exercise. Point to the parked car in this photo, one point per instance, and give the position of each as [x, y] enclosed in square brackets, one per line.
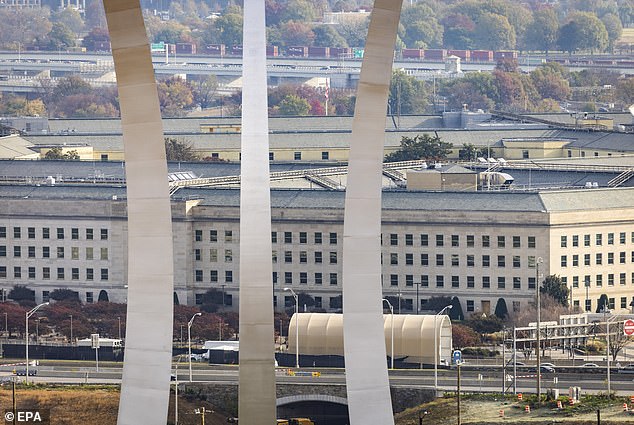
[627, 369]
[548, 364]
[589, 365]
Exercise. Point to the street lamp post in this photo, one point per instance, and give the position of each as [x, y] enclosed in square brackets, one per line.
[538, 332]
[29, 314]
[6, 324]
[119, 320]
[296, 325]
[391, 331]
[587, 284]
[436, 347]
[71, 329]
[189, 342]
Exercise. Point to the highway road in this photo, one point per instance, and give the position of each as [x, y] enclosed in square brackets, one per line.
[473, 379]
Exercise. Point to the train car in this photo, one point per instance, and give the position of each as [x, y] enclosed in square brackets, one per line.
[465, 55]
[340, 52]
[272, 51]
[318, 52]
[481, 55]
[236, 50]
[505, 54]
[413, 53]
[215, 49]
[185, 48]
[435, 54]
[297, 51]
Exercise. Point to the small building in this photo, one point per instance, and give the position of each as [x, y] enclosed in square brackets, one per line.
[442, 177]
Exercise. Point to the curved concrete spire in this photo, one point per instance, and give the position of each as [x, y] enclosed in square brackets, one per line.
[367, 380]
[256, 404]
[148, 352]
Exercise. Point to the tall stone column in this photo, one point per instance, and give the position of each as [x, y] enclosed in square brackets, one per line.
[148, 352]
[367, 379]
[256, 404]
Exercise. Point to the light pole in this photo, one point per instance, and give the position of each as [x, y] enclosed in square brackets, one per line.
[189, 342]
[417, 299]
[6, 324]
[391, 332]
[119, 320]
[539, 261]
[71, 329]
[587, 282]
[436, 347]
[296, 325]
[37, 331]
[29, 314]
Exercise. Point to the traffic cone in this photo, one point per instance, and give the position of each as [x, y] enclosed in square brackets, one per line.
[519, 396]
[527, 409]
[501, 413]
[625, 408]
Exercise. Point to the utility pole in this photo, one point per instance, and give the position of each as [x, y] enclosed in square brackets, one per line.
[538, 330]
[503, 360]
[458, 395]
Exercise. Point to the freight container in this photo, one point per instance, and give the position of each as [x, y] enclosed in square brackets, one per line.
[215, 49]
[272, 51]
[318, 52]
[482, 55]
[185, 48]
[435, 54]
[465, 55]
[507, 54]
[413, 53]
[340, 52]
[297, 51]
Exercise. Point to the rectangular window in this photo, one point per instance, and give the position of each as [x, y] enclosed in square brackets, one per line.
[409, 280]
[288, 257]
[610, 258]
[517, 242]
[31, 232]
[31, 252]
[317, 238]
[586, 240]
[531, 283]
[622, 278]
[393, 239]
[424, 280]
[104, 234]
[273, 237]
[3, 251]
[60, 233]
[455, 240]
[455, 260]
[90, 274]
[333, 257]
[575, 240]
[104, 274]
[486, 241]
[46, 273]
[228, 256]
[424, 239]
[501, 282]
[598, 258]
[575, 281]
[501, 261]
[213, 276]
[486, 261]
[32, 273]
[623, 302]
[424, 259]
[622, 238]
[470, 281]
[104, 253]
[89, 297]
[74, 233]
[333, 238]
[303, 237]
[271, 156]
[74, 252]
[3, 232]
[297, 156]
[501, 241]
[60, 252]
[575, 260]
[455, 281]
[46, 233]
[622, 257]
[303, 257]
[333, 279]
[60, 273]
[516, 262]
[74, 273]
[564, 261]
[598, 239]
[318, 302]
[303, 278]
[228, 276]
[228, 236]
[325, 155]
[46, 252]
[564, 242]
[3, 272]
[486, 282]
[394, 280]
[440, 260]
[586, 259]
[470, 241]
[610, 279]
[288, 237]
[17, 233]
[610, 238]
[409, 239]
[17, 251]
[213, 255]
[470, 305]
[440, 240]
[318, 278]
[198, 235]
[440, 281]
[409, 259]
[318, 257]
[517, 283]
[89, 233]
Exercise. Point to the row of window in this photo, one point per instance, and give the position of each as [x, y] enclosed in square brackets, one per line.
[60, 252]
[611, 303]
[598, 239]
[610, 279]
[89, 233]
[598, 259]
[455, 281]
[30, 273]
[318, 277]
[286, 237]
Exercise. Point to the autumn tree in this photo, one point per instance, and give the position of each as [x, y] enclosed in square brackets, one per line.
[294, 106]
[463, 336]
[541, 33]
[327, 36]
[583, 31]
[430, 148]
[205, 91]
[494, 32]
[98, 36]
[420, 27]
[407, 95]
[614, 29]
[175, 97]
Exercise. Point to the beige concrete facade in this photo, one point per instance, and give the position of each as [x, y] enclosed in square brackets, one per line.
[307, 245]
